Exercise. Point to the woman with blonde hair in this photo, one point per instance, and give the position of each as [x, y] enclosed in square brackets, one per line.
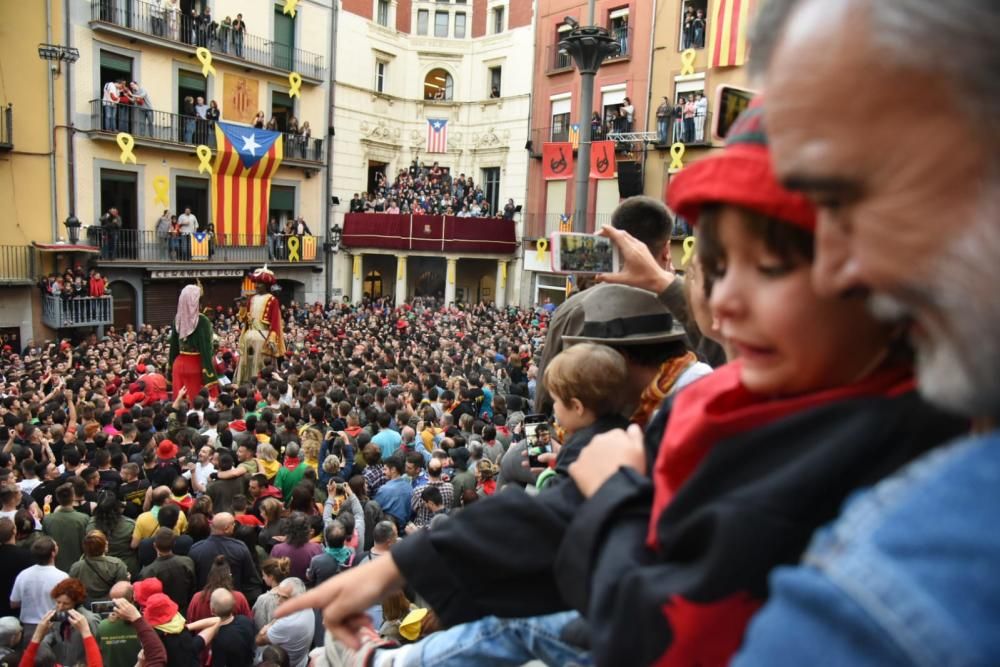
[310, 448]
[486, 484]
[267, 461]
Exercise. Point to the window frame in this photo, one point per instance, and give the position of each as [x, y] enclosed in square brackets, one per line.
[499, 19]
[427, 22]
[381, 74]
[447, 23]
[465, 25]
[383, 8]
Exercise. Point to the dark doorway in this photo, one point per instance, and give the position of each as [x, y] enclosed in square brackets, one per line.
[373, 285]
[192, 193]
[123, 297]
[282, 108]
[119, 190]
[189, 84]
[374, 169]
[427, 276]
[11, 336]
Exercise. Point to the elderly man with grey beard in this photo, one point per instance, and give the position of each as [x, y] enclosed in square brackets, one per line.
[909, 196]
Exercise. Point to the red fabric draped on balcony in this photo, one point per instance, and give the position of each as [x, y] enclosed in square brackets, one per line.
[429, 233]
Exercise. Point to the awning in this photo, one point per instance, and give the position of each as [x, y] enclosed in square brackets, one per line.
[65, 247]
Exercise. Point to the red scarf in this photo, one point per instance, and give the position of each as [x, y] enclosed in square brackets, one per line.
[719, 407]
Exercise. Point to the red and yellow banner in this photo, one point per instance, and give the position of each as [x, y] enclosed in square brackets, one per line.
[728, 33]
[246, 160]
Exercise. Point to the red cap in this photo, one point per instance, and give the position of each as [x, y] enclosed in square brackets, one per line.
[166, 450]
[159, 609]
[140, 368]
[740, 175]
[143, 590]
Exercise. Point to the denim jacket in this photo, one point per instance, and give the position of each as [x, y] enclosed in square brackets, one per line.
[908, 575]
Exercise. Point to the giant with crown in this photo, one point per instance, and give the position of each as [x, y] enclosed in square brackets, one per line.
[263, 337]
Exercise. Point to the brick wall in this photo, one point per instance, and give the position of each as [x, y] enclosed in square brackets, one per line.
[479, 12]
[359, 7]
[519, 13]
[403, 12]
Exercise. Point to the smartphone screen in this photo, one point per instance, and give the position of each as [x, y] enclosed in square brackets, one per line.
[732, 102]
[585, 253]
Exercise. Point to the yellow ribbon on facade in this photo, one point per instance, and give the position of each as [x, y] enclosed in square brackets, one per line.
[451, 272]
[503, 274]
[290, 7]
[205, 159]
[400, 268]
[293, 249]
[205, 58]
[160, 187]
[295, 81]
[126, 142]
[676, 155]
[540, 247]
[688, 251]
[357, 266]
[687, 61]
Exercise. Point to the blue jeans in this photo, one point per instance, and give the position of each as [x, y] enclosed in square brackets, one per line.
[110, 119]
[188, 124]
[661, 129]
[493, 641]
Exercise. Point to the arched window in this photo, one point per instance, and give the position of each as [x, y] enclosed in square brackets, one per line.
[438, 85]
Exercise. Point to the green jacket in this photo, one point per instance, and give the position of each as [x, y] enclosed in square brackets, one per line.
[287, 479]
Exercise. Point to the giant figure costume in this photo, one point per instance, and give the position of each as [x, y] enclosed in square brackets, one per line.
[190, 360]
[263, 338]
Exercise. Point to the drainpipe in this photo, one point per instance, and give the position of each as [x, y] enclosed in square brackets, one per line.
[70, 127]
[52, 125]
[649, 94]
[330, 259]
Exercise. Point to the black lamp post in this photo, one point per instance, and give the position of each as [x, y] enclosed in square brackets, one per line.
[72, 229]
[588, 46]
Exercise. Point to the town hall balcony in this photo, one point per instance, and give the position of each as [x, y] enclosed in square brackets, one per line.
[61, 313]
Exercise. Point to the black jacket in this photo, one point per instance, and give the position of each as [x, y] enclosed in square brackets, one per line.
[495, 556]
[751, 505]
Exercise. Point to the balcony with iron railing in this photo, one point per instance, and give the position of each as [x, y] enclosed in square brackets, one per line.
[145, 247]
[149, 23]
[558, 61]
[61, 312]
[17, 265]
[7, 128]
[178, 132]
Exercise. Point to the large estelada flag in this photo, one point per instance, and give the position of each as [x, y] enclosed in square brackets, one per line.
[728, 33]
[602, 160]
[557, 160]
[574, 135]
[199, 245]
[246, 160]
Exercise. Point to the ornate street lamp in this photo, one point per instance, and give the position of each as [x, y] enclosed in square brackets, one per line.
[72, 229]
[588, 46]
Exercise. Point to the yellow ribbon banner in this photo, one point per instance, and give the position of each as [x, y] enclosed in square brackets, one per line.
[540, 247]
[204, 159]
[451, 272]
[676, 156]
[688, 251]
[400, 268]
[503, 274]
[205, 58]
[290, 7]
[160, 187]
[126, 142]
[357, 266]
[687, 61]
[295, 81]
[293, 249]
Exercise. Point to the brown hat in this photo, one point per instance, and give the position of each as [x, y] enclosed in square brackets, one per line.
[621, 315]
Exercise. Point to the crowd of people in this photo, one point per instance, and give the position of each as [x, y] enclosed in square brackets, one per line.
[431, 190]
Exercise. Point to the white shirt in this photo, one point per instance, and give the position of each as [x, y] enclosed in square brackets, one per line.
[701, 107]
[32, 588]
[28, 485]
[201, 472]
[188, 223]
[211, 436]
[110, 92]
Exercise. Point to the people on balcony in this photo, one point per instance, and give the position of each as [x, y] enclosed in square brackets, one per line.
[700, 115]
[426, 190]
[111, 227]
[143, 108]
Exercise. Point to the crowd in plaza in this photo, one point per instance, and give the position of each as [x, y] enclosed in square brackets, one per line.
[431, 190]
[786, 455]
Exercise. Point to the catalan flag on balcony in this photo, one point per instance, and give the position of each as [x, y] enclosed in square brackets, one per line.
[565, 222]
[249, 286]
[574, 136]
[199, 245]
[246, 160]
[728, 32]
[308, 248]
